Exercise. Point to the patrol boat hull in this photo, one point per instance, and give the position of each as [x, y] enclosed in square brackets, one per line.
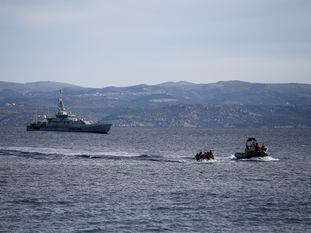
[92, 128]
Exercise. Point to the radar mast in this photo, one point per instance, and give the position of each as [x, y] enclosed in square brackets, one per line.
[61, 106]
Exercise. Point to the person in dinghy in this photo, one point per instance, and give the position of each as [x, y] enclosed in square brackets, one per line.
[207, 155]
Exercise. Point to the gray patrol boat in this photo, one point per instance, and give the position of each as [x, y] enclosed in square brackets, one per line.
[66, 121]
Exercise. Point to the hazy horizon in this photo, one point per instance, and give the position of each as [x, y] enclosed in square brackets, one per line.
[181, 81]
[123, 43]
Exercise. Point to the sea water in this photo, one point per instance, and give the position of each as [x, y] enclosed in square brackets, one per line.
[147, 180]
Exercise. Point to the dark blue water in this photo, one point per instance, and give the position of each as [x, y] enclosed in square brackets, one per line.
[146, 180]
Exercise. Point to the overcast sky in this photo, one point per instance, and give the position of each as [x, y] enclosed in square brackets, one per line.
[99, 43]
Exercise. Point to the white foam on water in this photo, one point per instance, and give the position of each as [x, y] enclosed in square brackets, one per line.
[261, 159]
[198, 162]
[209, 161]
[184, 161]
[267, 159]
[232, 157]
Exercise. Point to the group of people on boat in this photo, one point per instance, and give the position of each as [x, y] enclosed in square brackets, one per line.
[252, 146]
[252, 149]
[208, 155]
[256, 148]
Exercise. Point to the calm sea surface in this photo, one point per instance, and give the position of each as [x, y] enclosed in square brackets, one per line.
[146, 180]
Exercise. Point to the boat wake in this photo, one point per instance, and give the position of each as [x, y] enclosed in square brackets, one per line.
[192, 160]
[57, 153]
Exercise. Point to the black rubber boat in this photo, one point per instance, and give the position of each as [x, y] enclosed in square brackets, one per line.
[207, 155]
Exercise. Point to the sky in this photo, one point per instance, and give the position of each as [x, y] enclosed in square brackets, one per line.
[98, 43]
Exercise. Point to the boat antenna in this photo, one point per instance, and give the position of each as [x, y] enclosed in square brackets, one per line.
[61, 106]
[36, 116]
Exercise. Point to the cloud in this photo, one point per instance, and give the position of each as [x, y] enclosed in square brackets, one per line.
[148, 39]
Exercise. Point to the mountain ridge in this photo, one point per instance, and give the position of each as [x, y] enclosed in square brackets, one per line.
[168, 83]
[171, 104]
[32, 86]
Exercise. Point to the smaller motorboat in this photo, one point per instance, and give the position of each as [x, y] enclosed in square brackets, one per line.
[252, 150]
[207, 155]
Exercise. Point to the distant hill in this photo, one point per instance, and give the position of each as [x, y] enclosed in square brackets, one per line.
[36, 86]
[176, 104]
[220, 93]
